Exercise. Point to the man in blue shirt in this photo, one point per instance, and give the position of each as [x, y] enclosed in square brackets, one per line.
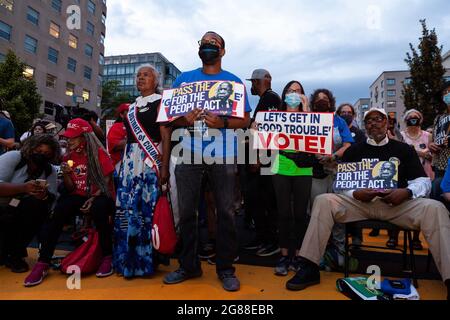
[7, 133]
[221, 172]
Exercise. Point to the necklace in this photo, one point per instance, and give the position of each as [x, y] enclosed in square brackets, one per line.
[417, 137]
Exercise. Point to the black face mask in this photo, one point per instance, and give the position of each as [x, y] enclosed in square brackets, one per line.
[322, 106]
[209, 53]
[39, 159]
[413, 122]
[348, 118]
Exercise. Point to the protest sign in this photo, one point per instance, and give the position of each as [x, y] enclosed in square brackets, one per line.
[442, 130]
[368, 174]
[225, 98]
[305, 132]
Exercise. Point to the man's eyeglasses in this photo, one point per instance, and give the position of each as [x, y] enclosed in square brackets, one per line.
[377, 119]
[213, 42]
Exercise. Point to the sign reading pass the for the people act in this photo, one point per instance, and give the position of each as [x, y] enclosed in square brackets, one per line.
[305, 132]
[225, 98]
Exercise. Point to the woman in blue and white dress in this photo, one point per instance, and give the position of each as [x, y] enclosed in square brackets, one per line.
[140, 182]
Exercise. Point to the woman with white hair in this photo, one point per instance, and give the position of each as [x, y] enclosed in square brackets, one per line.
[144, 169]
[418, 138]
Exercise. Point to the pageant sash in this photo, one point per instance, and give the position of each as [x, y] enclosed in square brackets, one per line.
[144, 140]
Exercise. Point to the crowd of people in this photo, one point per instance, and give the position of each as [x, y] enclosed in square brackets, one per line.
[295, 212]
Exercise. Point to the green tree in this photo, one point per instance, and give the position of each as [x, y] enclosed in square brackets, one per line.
[19, 94]
[427, 72]
[112, 97]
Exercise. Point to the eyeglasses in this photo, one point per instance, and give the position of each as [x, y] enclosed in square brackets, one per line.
[213, 42]
[377, 119]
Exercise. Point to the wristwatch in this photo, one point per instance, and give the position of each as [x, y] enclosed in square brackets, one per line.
[225, 122]
[410, 193]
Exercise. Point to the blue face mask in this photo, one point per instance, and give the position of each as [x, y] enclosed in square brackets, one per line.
[293, 100]
[447, 99]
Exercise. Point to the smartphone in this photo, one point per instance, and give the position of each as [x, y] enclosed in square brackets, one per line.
[396, 284]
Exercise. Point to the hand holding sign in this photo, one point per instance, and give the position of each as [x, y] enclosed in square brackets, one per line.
[213, 121]
[396, 197]
[193, 116]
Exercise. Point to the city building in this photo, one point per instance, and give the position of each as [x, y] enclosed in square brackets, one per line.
[361, 106]
[123, 68]
[387, 92]
[62, 44]
[446, 60]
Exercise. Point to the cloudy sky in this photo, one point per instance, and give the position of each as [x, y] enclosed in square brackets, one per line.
[342, 45]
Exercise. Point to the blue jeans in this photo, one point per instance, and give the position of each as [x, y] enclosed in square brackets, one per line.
[222, 179]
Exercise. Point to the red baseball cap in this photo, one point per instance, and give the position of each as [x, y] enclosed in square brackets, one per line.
[123, 107]
[76, 128]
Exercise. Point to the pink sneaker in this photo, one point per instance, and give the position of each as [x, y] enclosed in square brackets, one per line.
[36, 275]
[105, 269]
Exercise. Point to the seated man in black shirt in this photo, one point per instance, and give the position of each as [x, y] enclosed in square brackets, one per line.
[405, 206]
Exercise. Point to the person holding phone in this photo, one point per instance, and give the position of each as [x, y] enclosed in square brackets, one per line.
[88, 189]
[27, 191]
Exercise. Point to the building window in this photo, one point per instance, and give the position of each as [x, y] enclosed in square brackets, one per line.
[391, 93]
[8, 4]
[28, 72]
[86, 95]
[5, 31]
[134, 59]
[50, 81]
[101, 59]
[391, 104]
[2, 57]
[390, 82]
[120, 70]
[71, 64]
[73, 41]
[129, 81]
[99, 80]
[30, 44]
[70, 89]
[102, 38]
[382, 94]
[56, 4]
[130, 69]
[52, 55]
[116, 61]
[103, 18]
[382, 83]
[407, 81]
[88, 50]
[33, 16]
[112, 70]
[91, 6]
[90, 29]
[54, 30]
[87, 72]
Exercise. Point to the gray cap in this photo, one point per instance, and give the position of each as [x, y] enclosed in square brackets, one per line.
[260, 74]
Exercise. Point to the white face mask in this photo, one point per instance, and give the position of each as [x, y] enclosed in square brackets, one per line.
[63, 151]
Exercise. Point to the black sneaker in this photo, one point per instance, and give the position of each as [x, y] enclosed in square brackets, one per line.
[17, 265]
[282, 267]
[207, 251]
[306, 276]
[294, 264]
[181, 275]
[230, 282]
[268, 251]
[212, 261]
[254, 245]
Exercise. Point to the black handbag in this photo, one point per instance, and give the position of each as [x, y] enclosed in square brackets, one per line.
[301, 159]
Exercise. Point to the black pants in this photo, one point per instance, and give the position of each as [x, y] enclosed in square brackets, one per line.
[222, 180]
[19, 225]
[69, 206]
[292, 221]
[261, 206]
